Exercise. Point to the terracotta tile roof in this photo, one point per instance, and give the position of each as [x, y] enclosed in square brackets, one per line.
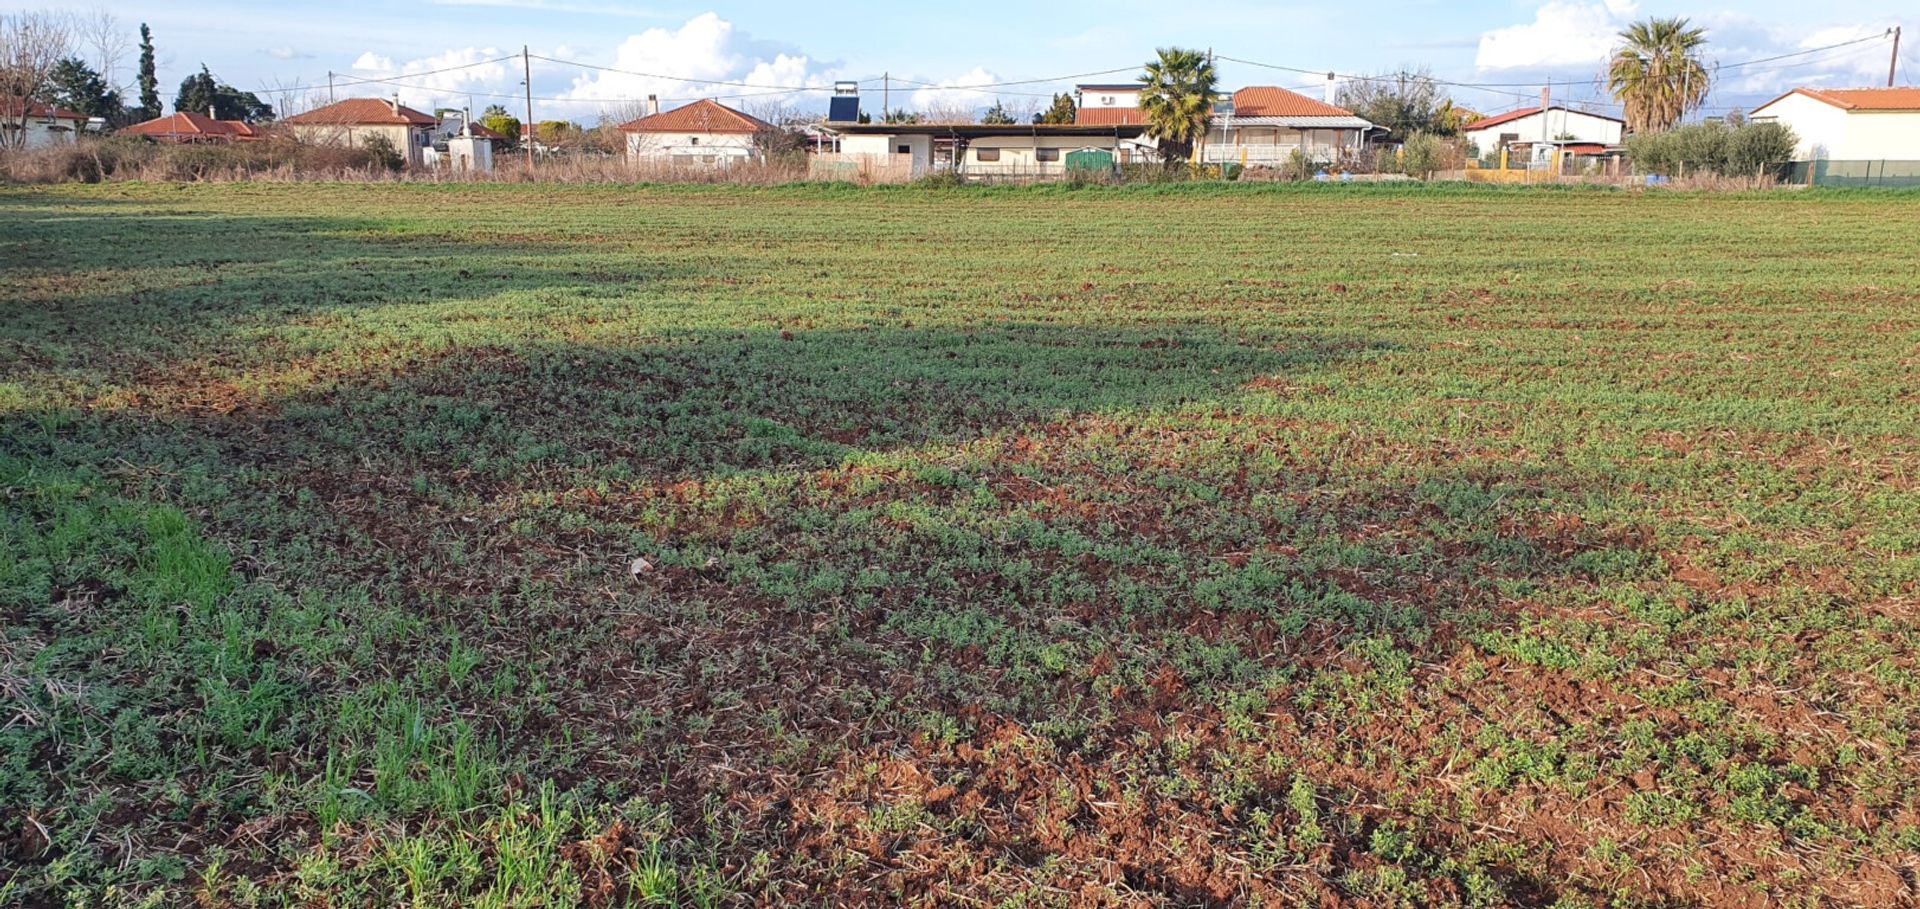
[362, 112]
[1271, 101]
[480, 131]
[703, 116]
[11, 108]
[1512, 115]
[1906, 98]
[1108, 116]
[189, 125]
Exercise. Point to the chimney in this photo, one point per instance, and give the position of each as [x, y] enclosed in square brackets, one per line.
[395, 104]
[653, 105]
[1332, 87]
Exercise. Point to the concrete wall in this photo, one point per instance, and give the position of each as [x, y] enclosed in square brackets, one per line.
[1019, 155]
[466, 153]
[919, 149]
[407, 140]
[42, 132]
[1831, 133]
[690, 149]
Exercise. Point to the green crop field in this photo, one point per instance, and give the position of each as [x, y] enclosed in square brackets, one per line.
[504, 545]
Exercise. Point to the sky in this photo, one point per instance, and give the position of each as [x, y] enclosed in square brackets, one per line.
[754, 54]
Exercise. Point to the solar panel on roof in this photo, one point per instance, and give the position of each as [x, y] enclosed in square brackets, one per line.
[843, 109]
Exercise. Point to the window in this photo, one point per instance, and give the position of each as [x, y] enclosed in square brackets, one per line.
[1509, 138]
[986, 154]
[903, 150]
[1046, 154]
[693, 140]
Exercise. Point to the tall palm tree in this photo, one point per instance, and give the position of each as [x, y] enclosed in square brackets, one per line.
[1176, 97]
[1657, 73]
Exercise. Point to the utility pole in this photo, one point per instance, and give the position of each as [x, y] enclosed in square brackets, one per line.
[886, 96]
[526, 71]
[329, 86]
[1894, 62]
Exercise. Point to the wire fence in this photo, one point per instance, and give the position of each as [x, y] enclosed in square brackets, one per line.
[1895, 174]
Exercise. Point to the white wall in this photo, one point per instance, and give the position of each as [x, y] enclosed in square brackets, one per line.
[885, 146]
[1833, 133]
[690, 148]
[467, 153]
[1274, 144]
[1090, 100]
[43, 132]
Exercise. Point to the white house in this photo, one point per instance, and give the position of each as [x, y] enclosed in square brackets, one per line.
[1534, 132]
[1262, 125]
[901, 151]
[39, 126]
[1849, 124]
[1116, 104]
[704, 133]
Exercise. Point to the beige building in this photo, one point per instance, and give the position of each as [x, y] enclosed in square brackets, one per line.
[352, 122]
[1849, 124]
[1262, 126]
[980, 150]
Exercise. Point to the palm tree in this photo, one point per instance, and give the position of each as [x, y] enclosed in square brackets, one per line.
[1657, 74]
[1177, 98]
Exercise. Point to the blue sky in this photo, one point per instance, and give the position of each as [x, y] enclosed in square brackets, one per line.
[293, 44]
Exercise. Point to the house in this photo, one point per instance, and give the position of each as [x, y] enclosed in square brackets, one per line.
[705, 133]
[188, 128]
[902, 151]
[356, 120]
[1545, 133]
[1263, 125]
[459, 143]
[1849, 124]
[39, 125]
[1115, 104]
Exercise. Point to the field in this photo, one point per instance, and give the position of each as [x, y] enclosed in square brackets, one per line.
[1255, 546]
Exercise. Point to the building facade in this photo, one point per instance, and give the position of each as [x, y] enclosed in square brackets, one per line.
[1853, 124]
[705, 133]
[356, 121]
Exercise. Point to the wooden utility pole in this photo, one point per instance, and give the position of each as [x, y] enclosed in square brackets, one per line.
[1893, 63]
[329, 86]
[526, 138]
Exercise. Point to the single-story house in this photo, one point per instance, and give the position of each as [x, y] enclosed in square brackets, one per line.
[1539, 133]
[1262, 125]
[43, 124]
[188, 128]
[704, 133]
[1017, 150]
[1849, 124]
[354, 121]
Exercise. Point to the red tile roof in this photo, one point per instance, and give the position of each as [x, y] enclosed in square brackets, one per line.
[362, 112]
[1894, 99]
[480, 131]
[703, 116]
[11, 108]
[1512, 115]
[1108, 116]
[187, 125]
[1271, 101]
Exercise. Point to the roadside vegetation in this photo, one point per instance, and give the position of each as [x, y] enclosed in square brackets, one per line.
[1186, 545]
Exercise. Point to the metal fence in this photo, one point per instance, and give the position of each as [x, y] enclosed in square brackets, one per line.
[1856, 173]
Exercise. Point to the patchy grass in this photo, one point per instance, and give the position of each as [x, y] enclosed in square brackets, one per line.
[1219, 545]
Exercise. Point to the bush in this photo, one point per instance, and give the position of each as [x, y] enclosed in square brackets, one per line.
[381, 149]
[1749, 150]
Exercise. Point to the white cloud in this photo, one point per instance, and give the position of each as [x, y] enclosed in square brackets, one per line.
[945, 95]
[442, 80]
[1562, 33]
[288, 53]
[684, 63]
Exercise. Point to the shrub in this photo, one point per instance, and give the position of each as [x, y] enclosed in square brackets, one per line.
[384, 154]
[1748, 150]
